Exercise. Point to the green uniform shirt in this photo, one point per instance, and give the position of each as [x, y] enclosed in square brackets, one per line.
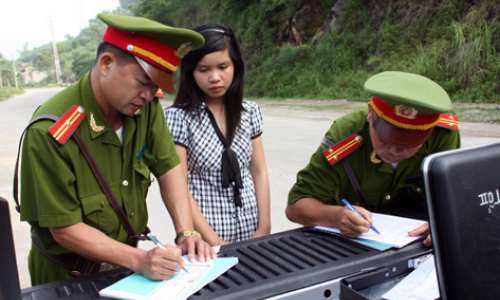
[58, 188]
[382, 185]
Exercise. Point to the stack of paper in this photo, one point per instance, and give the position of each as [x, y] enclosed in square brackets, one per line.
[179, 287]
[421, 284]
[393, 232]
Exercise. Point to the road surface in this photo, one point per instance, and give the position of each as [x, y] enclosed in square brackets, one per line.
[292, 132]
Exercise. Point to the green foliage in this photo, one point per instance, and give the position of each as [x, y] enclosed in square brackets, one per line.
[6, 93]
[76, 54]
[6, 71]
[453, 42]
[125, 3]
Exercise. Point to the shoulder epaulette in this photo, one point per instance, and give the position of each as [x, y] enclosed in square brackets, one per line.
[342, 149]
[159, 93]
[67, 124]
[448, 121]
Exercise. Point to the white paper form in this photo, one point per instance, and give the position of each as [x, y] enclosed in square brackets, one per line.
[393, 231]
[181, 285]
[421, 284]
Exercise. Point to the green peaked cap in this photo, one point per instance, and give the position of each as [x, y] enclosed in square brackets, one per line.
[170, 36]
[395, 88]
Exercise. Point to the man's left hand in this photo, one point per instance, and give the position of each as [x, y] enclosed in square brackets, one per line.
[193, 245]
[424, 228]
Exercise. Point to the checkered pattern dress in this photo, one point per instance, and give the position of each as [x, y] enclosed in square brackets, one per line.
[194, 131]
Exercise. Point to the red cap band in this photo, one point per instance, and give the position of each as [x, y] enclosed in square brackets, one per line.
[152, 51]
[404, 116]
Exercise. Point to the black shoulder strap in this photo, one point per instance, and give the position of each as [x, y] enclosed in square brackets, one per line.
[97, 173]
[350, 174]
[16, 170]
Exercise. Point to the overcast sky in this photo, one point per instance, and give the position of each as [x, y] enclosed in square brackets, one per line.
[29, 21]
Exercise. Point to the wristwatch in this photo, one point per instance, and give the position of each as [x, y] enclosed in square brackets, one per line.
[186, 233]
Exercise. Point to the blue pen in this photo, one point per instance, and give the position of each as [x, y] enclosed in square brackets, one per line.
[346, 203]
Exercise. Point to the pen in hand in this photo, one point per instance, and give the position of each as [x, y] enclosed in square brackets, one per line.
[350, 207]
[160, 245]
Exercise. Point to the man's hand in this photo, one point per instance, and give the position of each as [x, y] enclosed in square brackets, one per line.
[160, 264]
[424, 228]
[351, 225]
[193, 245]
[156, 264]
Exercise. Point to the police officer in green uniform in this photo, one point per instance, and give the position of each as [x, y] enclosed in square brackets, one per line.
[383, 145]
[112, 109]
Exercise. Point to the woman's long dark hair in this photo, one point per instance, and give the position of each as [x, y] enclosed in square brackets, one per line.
[189, 96]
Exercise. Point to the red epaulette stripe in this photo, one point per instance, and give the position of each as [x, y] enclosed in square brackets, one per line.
[342, 149]
[448, 121]
[67, 124]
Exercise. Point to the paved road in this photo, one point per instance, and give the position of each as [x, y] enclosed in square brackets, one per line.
[292, 132]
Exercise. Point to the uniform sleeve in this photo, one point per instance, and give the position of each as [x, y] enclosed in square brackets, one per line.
[48, 192]
[161, 155]
[318, 180]
[257, 121]
[176, 123]
[444, 139]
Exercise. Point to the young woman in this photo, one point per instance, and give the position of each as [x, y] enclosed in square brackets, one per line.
[218, 139]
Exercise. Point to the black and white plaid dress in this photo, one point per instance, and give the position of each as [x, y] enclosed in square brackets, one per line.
[194, 131]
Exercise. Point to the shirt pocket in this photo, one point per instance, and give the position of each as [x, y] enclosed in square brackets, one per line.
[143, 176]
[98, 213]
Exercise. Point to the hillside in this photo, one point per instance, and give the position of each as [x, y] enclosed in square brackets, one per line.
[326, 49]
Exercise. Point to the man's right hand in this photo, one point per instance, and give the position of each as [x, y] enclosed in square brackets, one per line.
[351, 225]
[155, 264]
[161, 264]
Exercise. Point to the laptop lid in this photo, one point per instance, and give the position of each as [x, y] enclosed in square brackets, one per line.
[9, 275]
[463, 197]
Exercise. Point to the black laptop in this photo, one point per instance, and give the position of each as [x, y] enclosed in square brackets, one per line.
[463, 197]
[9, 278]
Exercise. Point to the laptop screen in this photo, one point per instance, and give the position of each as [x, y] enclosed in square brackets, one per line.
[463, 198]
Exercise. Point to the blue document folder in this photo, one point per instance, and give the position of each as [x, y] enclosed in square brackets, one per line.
[181, 286]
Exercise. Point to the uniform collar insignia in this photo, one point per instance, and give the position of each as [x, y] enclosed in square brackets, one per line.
[374, 159]
[93, 125]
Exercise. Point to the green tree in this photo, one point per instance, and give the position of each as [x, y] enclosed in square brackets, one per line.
[6, 72]
[126, 3]
[83, 62]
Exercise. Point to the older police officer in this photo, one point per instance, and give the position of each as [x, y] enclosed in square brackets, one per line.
[372, 156]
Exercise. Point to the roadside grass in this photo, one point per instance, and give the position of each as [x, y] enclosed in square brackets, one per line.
[9, 92]
[473, 113]
[311, 107]
[479, 114]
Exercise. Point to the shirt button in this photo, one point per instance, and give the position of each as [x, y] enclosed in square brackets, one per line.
[419, 190]
[102, 204]
[132, 215]
[388, 197]
[234, 216]
[125, 183]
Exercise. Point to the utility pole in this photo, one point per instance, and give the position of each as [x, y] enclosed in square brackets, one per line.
[56, 56]
[15, 71]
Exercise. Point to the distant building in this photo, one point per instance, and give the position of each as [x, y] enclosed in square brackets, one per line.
[30, 75]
